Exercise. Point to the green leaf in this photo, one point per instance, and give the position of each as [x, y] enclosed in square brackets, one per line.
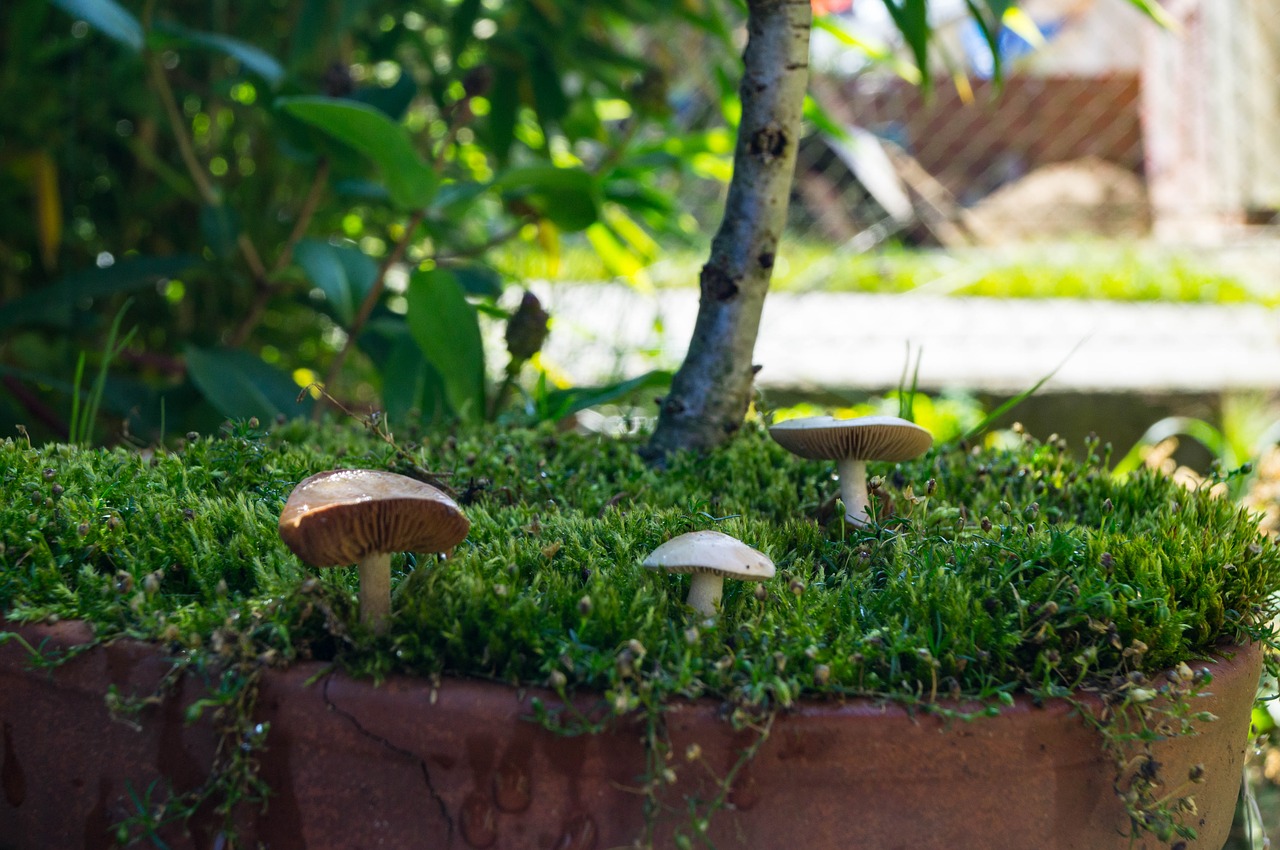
[53, 304]
[478, 279]
[557, 404]
[447, 329]
[239, 385]
[219, 227]
[912, 20]
[251, 58]
[548, 92]
[567, 197]
[107, 17]
[462, 25]
[409, 179]
[343, 273]
[410, 383]
[504, 111]
[393, 100]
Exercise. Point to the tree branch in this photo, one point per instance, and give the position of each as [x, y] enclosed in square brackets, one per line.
[712, 390]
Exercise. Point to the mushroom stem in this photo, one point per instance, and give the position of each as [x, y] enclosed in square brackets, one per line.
[853, 490]
[705, 591]
[375, 591]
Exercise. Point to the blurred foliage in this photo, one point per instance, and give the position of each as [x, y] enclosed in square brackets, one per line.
[245, 176]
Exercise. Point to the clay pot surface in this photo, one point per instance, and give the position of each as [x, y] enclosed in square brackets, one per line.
[406, 764]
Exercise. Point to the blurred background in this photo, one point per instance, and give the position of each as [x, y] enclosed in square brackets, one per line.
[465, 210]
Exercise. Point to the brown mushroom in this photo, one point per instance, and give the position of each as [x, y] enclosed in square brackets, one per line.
[362, 516]
[851, 443]
[711, 557]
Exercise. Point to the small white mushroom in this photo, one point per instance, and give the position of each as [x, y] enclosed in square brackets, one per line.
[851, 443]
[362, 516]
[711, 557]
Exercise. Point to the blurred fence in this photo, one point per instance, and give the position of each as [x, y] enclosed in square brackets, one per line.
[1105, 125]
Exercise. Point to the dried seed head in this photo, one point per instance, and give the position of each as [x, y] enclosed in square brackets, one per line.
[821, 674]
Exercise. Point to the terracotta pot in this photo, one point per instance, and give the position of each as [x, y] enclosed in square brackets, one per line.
[405, 764]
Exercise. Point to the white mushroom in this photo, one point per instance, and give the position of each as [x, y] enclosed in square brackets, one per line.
[710, 556]
[851, 443]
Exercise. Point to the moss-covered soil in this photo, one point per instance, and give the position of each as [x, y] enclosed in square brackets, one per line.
[991, 572]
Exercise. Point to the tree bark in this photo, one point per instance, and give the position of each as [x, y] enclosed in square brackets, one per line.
[712, 390]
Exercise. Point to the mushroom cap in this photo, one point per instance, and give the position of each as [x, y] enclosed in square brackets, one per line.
[711, 552]
[885, 438]
[342, 516]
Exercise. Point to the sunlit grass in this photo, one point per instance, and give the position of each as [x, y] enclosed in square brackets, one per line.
[1085, 270]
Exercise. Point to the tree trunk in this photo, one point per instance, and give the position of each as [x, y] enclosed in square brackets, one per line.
[712, 390]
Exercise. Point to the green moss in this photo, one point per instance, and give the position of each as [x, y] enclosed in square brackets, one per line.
[1023, 569]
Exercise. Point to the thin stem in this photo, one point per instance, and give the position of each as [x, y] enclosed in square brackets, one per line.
[208, 193]
[269, 285]
[305, 214]
[185, 148]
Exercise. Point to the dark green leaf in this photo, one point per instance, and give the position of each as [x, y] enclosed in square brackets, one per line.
[107, 17]
[504, 111]
[253, 59]
[393, 100]
[409, 179]
[411, 384]
[568, 197]
[219, 226]
[240, 385]
[462, 23]
[446, 328]
[548, 92]
[342, 272]
[561, 403]
[912, 20]
[478, 279]
[53, 304]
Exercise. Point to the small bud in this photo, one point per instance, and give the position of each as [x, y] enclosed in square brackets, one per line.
[1196, 773]
[691, 635]
[1107, 561]
[557, 680]
[1108, 506]
[527, 328]
[584, 605]
[82, 529]
[693, 752]
[759, 592]
[796, 586]
[930, 486]
[986, 524]
[49, 473]
[821, 674]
